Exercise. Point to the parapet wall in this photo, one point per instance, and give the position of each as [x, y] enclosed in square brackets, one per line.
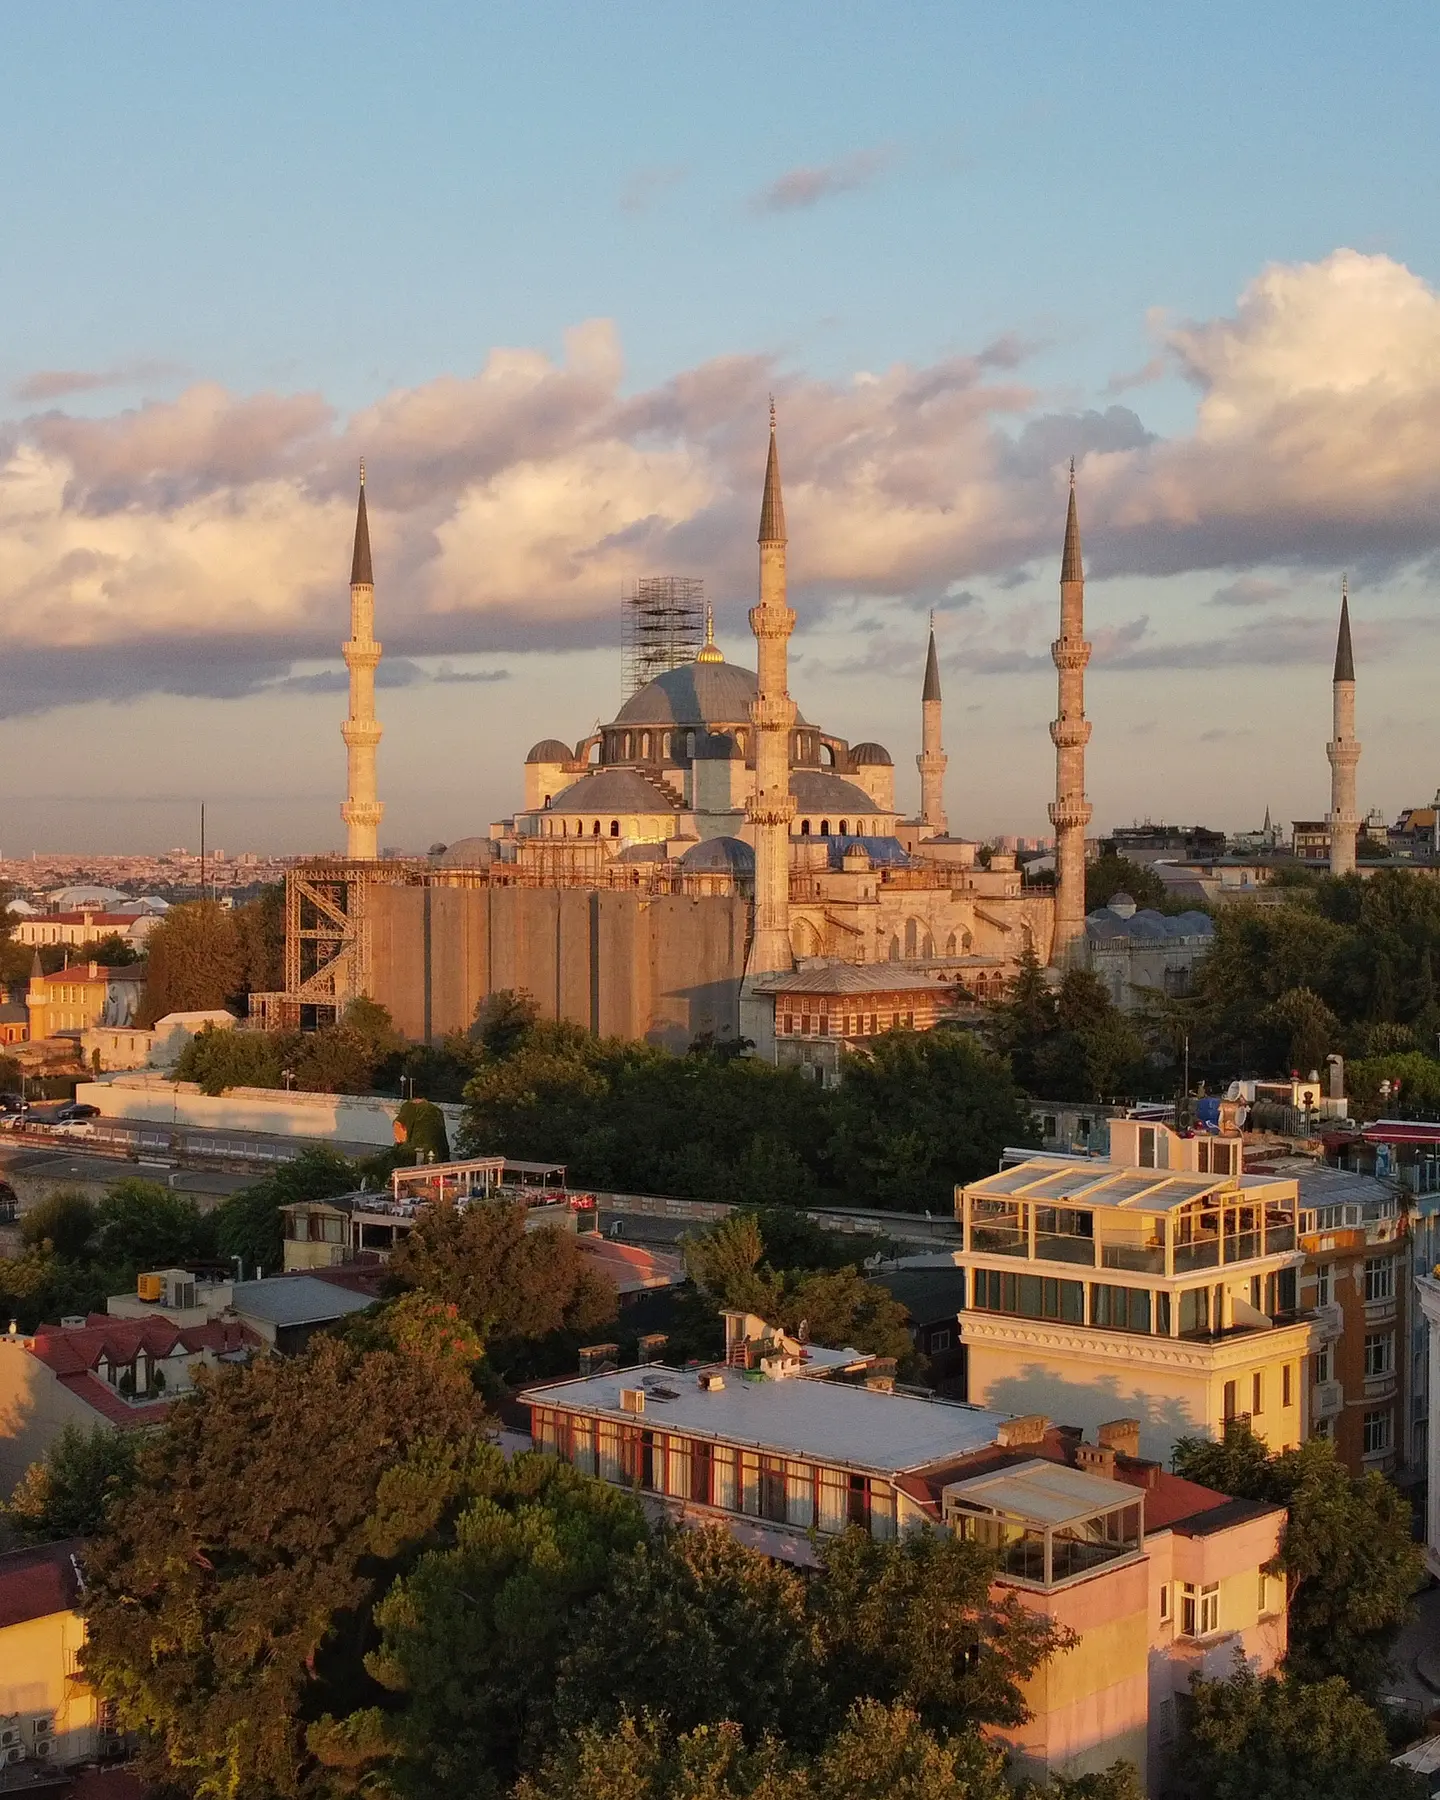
[664, 967]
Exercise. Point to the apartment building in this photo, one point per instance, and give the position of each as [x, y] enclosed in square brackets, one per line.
[50, 1719]
[1163, 1283]
[786, 1444]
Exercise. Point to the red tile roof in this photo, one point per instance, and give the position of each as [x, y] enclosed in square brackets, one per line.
[36, 1583]
[73, 1354]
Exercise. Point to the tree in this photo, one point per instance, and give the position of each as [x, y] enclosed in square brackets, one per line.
[143, 1223]
[505, 1281]
[1350, 1561]
[194, 961]
[1263, 1738]
[231, 1591]
[688, 1620]
[919, 1112]
[915, 1623]
[472, 1638]
[420, 1126]
[71, 1489]
[225, 1059]
[1308, 1027]
[248, 1223]
[1110, 875]
[260, 927]
[63, 1223]
[503, 1021]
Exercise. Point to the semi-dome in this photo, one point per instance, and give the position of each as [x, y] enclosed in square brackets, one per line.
[614, 791]
[816, 790]
[871, 756]
[719, 856]
[695, 694]
[551, 750]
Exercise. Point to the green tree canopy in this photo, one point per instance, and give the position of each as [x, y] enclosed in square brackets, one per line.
[1351, 1564]
[69, 1492]
[1264, 1738]
[142, 1223]
[248, 1223]
[63, 1223]
[423, 1125]
[225, 1059]
[230, 1594]
[1110, 875]
[194, 961]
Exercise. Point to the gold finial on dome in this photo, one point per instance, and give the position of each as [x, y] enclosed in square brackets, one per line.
[710, 653]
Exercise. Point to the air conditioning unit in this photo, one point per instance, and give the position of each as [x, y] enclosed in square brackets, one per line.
[16, 1754]
[9, 1734]
[632, 1400]
[45, 1746]
[150, 1287]
[43, 1726]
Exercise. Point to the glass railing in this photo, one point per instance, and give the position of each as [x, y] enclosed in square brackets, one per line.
[999, 1240]
[1144, 1259]
[1279, 1237]
[1051, 1246]
[1204, 1255]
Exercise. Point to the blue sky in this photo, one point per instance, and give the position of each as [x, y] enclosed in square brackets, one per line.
[240, 246]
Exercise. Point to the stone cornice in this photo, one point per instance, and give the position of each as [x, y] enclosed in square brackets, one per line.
[996, 1330]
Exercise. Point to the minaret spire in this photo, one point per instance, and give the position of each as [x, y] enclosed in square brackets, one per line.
[362, 810]
[1070, 812]
[1343, 750]
[932, 759]
[771, 805]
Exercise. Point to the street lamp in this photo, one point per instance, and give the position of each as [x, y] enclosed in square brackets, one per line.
[288, 1077]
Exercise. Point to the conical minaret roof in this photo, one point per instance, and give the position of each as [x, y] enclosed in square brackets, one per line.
[1344, 655]
[772, 507]
[360, 570]
[931, 689]
[1072, 567]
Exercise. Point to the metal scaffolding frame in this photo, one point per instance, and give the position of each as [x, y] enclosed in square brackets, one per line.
[662, 625]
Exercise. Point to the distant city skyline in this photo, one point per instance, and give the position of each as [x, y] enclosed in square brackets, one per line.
[543, 270]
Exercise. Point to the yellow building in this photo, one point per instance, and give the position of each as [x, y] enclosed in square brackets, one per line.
[1162, 1284]
[49, 1718]
[86, 995]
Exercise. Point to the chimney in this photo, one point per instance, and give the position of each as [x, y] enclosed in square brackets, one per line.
[652, 1346]
[1095, 1459]
[880, 1375]
[595, 1357]
[1122, 1436]
[1030, 1428]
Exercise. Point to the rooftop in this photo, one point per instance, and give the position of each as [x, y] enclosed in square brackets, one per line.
[854, 978]
[36, 1583]
[296, 1300]
[1103, 1184]
[833, 1422]
[1051, 1493]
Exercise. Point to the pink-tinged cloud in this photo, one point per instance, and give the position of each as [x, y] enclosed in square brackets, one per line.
[59, 384]
[507, 506]
[806, 186]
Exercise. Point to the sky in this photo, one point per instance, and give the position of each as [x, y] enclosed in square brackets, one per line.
[543, 265]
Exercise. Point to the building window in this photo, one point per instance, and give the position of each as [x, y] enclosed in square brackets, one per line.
[1268, 1592]
[1199, 1610]
[1120, 1308]
[789, 1022]
[1325, 1363]
[1048, 1126]
[1323, 1428]
[1029, 1296]
[1376, 1433]
[1380, 1354]
[1147, 1146]
[1324, 1283]
[804, 1024]
[939, 1340]
[1257, 1394]
[1287, 1386]
[1230, 1405]
[1379, 1278]
[1164, 1601]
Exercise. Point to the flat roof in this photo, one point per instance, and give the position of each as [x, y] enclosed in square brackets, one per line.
[825, 1421]
[1049, 1493]
[296, 1300]
[1094, 1183]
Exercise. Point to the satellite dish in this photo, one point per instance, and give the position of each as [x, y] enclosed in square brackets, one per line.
[874, 1262]
[802, 1330]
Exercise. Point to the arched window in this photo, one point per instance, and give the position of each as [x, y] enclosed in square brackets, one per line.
[629, 741]
[827, 756]
[911, 937]
[894, 949]
[927, 946]
[965, 942]
[824, 828]
[950, 944]
[740, 742]
[547, 799]
[844, 829]
[645, 746]
[804, 828]
[614, 828]
[665, 746]
[595, 829]
[689, 743]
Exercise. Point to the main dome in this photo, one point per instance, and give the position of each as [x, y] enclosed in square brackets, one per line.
[694, 695]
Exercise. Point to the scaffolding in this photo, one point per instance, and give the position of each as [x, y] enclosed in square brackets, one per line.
[662, 625]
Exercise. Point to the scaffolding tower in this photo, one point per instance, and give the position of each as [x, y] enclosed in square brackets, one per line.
[662, 625]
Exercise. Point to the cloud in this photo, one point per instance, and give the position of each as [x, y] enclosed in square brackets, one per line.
[1248, 590]
[58, 384]
[809, 184]
[646, 186]
[200, 545]
[1156, 368]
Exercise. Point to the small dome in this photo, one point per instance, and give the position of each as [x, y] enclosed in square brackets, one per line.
[551, 750]
[469, 853]
[720, 856]
[871, 756]
[642, 853]
[1122, 905]
[718, 746]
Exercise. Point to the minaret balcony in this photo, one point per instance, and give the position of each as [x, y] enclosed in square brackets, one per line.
[1070, 653]
[769, 621]
[362, 812]
[1070, 734]
[362, 733]
[772, 712]
[1068, 813]
[360, 654]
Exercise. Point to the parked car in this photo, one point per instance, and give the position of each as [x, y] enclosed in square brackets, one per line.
[12, 1103]
[77, 1109]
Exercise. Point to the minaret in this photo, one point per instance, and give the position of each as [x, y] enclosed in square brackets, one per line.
[932, 759]
[1070, 811]
[1343, 750]
[771, 805]
[361, 731]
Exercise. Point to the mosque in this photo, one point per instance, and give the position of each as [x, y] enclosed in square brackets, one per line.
[680, 869]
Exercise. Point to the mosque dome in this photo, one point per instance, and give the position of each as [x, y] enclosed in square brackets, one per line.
[1122, 905]
[551, 750]
[696, 694]
[719, 856]
[816, 790]
[871, 756]
[615, 791]
[468, 853]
